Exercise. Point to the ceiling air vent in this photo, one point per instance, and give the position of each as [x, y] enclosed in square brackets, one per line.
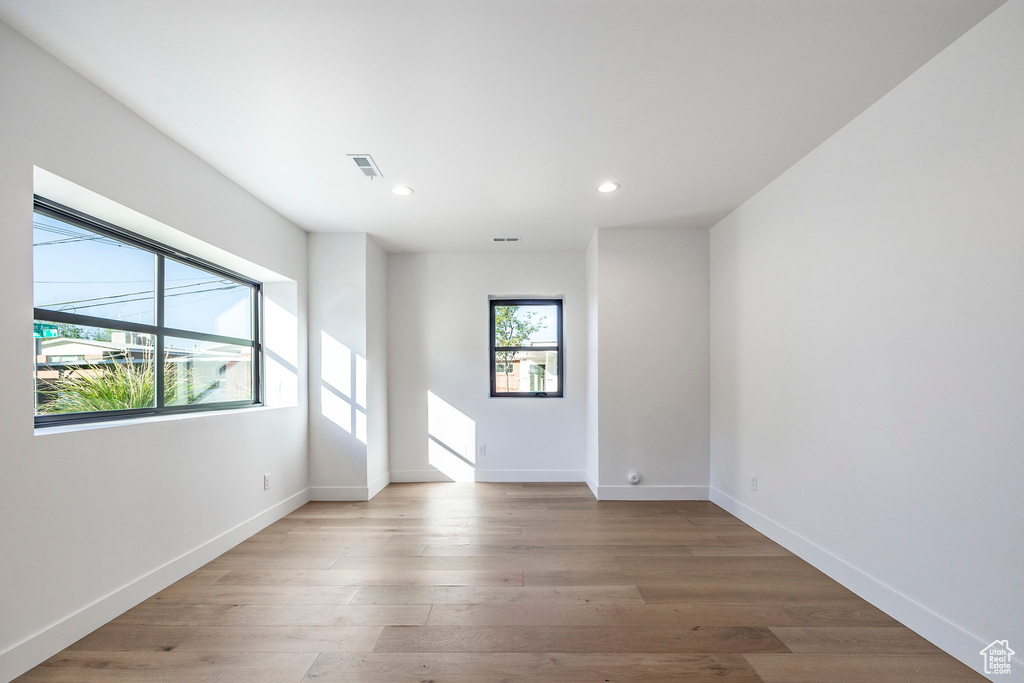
[364, 162]
[507, 239]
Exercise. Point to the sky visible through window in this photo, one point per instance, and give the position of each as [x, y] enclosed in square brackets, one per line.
[79, 271]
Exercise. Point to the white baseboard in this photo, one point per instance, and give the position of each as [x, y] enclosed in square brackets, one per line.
[943, 633]
[338, 493]
[641, 492]
[493, 476]
[348, 493]
[38, 647]
[378, 486]
[591, 480]
[530, 476]
[407, 476]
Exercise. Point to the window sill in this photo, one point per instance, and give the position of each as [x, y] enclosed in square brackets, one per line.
[149, 419]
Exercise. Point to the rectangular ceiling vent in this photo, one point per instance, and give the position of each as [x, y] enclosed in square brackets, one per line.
[365, 163]
[507, 239]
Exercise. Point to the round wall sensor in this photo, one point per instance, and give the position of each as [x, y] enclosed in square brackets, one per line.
[633, 477]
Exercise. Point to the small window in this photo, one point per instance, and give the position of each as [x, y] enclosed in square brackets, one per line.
[126, 327]
[527, 352]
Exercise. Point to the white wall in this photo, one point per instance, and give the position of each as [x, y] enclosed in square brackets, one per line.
[438, 342]
[348, 367]
[95, 520]
[653, 363]
[593, 368]
[337, 336]
[378, 462]
[868, 348]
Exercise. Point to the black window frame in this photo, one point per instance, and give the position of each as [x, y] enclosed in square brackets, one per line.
[559, 348]
[159, 331]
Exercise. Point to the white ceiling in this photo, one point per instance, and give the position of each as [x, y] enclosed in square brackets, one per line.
[503, 116]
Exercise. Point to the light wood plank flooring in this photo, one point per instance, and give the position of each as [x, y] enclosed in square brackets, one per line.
[504, 582]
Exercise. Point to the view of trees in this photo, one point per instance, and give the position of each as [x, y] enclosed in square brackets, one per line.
[69, 331]
[512, 328]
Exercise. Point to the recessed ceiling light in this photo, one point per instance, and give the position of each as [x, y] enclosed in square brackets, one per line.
[401, 190]
[607, 187]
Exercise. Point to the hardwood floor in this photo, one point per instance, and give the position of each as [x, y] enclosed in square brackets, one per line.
[504, 582]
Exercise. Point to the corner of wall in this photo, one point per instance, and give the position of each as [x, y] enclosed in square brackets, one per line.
[593, 403]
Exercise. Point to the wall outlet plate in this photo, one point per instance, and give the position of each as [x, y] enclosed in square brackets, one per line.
[753, 482]
[266, 482]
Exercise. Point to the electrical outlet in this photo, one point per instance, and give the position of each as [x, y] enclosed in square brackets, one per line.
[481, 450]
[753, 482]
[266, 482]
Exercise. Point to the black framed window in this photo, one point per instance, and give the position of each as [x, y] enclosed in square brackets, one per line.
[527, 349]
[126, 326]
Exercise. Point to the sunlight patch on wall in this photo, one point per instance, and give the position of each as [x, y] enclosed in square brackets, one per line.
[360, 381]
[451, 427]
[451, 439]
[343, 376]
[336, 364]
[336, 409]
[281, 347]
[361, 426]
[280, 327]
[449, 464]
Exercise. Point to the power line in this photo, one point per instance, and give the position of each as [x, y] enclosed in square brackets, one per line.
[104, 282]
[73, 235]
[231, 285]
[141, 298]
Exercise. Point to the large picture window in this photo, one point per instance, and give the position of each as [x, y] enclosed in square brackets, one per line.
[125, 326]
[527, 353]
